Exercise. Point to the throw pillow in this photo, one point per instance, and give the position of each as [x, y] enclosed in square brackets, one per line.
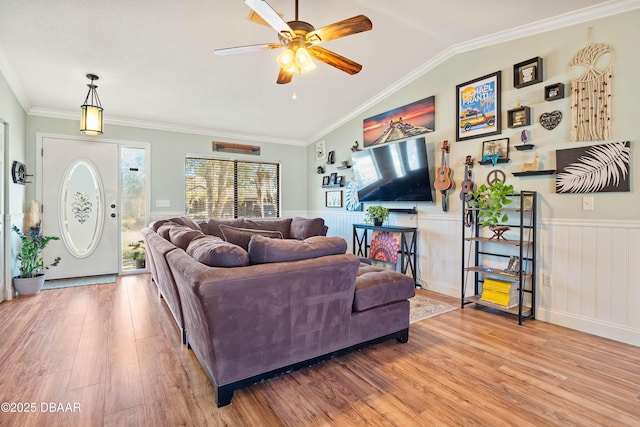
[185, 220]
[181, 236]
[242, 236]
[215, 252]
[163, 230]
[263, 250]
[301, 228]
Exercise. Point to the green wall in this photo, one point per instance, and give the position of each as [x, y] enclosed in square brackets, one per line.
[168, 150]
[556, 48]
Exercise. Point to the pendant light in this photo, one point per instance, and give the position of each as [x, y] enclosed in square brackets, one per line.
[91, 118]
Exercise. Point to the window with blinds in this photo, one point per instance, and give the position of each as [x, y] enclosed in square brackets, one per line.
[222, 188]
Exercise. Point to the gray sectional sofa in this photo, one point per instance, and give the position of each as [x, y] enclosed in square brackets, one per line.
[261, 298]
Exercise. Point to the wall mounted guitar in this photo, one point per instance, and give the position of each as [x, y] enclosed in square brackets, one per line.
[443, 177]
[466, 187]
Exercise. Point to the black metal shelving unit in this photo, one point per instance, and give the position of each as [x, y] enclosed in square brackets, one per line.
[520, 241]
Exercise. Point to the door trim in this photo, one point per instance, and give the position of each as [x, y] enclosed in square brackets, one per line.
[40, 136]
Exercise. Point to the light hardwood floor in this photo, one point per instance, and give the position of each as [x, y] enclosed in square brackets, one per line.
[114, 352]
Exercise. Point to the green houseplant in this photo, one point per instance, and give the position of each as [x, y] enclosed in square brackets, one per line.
[376, 214]
[490, 199]
[30, 279]
[138, 253]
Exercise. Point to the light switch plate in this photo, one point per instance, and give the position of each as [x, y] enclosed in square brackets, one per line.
[163, 203]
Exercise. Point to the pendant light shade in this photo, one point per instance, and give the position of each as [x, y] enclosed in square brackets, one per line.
[91, 110]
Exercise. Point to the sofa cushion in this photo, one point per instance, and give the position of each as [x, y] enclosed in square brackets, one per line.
[376, 286]
[181, 236]
[301, 228]
[242, 236]
[157, 223]
[185, 220]
[263, 250]
[163, 230]
[215, 252]
[213, 225]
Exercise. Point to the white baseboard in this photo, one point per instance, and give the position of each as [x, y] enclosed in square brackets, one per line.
[592, 326]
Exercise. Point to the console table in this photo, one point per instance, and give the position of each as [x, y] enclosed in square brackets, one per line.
[407, 250]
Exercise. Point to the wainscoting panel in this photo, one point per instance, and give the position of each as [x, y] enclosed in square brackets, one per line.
[586, 277]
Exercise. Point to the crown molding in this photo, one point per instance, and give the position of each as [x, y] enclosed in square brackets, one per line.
[591, 13]
[169, 127]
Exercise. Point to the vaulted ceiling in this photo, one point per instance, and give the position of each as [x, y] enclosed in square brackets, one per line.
[157, 68]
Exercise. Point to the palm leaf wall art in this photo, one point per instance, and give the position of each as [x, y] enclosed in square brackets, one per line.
[595, 169]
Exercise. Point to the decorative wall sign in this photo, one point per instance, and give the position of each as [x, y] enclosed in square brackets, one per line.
[352, 202]
[527, 72]
[596, 169]
[229, 147]
[591, 95]
[400, 123]
[478, 108]
[549, 121]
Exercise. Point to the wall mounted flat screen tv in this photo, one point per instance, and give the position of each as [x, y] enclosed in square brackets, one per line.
[396, 172]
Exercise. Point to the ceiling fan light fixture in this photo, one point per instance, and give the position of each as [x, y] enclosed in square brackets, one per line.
[303, 62]
[285, 60]
[91, 110]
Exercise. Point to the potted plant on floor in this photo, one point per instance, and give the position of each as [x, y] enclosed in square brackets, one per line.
[30, 279]
[376, 214]
[490, 200]
[138, 254]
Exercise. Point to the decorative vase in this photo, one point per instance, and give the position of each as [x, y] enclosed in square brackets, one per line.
[28, 285]
[377, 222]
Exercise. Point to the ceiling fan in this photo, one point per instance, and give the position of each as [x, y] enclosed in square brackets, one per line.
[301, 41]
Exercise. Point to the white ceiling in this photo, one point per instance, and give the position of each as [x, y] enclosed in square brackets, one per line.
[157, 68]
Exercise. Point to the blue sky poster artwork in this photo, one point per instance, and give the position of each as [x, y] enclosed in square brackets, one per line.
[478, 107]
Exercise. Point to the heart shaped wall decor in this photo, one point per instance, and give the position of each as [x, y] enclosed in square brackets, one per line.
[550, 120]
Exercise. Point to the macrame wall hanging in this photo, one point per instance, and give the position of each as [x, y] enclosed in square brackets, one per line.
[591, 95]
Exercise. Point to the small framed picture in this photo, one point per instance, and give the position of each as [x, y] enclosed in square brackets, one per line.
[333, 199]
[514, 265]
[340, 180]
[321, 150]
[334, 178]
[325, 180]
[527, 72]
[495, 151]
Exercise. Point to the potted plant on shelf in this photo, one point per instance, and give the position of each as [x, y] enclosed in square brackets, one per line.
[376, 214]
[490, 199]
[138, 254]
[30, 279]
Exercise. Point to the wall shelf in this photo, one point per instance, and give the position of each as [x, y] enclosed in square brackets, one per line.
[533, 173]
[524, 147]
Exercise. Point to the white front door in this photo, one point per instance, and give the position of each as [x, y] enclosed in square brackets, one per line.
[80, 205]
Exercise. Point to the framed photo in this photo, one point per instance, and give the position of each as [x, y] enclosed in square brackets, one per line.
[514, 265]
[334, 178]
[325, 180]
[333, 199]
[495, 151]
[340, 180]
[527, 72]
[321, 150]
[478, 107]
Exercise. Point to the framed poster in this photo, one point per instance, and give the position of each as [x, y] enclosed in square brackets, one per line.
[321, 150]
[478, 107]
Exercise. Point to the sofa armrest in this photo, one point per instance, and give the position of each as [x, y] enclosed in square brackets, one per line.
[244, 321]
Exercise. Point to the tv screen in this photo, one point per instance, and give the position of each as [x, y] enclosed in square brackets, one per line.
[396, 172]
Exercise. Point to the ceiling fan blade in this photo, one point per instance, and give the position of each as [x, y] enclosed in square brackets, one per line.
[335, 60]
[267, 13]
[284, 77]
[350, 26]
[254, 17]
[248, 48]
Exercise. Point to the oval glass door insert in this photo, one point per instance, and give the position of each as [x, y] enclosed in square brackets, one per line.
[81, 207]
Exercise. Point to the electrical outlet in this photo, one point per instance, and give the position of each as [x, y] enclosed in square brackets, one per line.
[587, 203]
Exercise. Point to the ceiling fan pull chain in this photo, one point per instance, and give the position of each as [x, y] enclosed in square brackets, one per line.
[294, 97]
